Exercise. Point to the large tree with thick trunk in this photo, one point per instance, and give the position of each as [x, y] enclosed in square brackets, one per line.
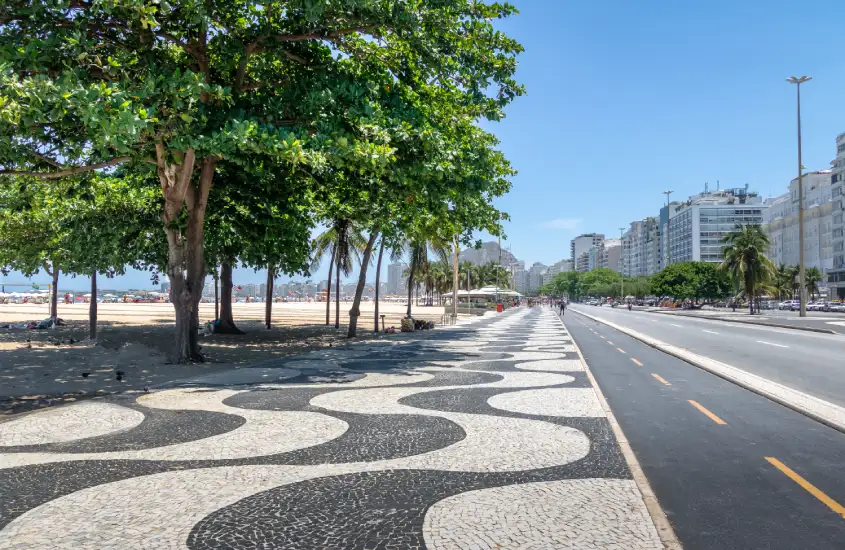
[182, 85]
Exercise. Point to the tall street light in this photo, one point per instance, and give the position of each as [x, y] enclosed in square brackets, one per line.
[668, 220]
[622, 275]
[802, 291]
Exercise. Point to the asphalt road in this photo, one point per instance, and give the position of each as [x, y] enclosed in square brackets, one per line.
[708, 466]
[817, 320]
[807, 361]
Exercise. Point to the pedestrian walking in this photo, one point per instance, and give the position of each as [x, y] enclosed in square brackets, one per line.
[562, 307]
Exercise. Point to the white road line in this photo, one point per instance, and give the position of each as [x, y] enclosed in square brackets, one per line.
[771, 344]
[709, 331]
[674, 325]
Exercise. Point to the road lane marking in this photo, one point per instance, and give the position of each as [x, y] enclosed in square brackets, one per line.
[809, 487]
[609, 342]
[636, 362]
[620, 350]
[602, 337]
[674, 325]
[661, 379]
[771, 344]
[709, 331]
[707, 413]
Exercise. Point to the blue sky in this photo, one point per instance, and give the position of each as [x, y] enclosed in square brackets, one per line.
[626, 99]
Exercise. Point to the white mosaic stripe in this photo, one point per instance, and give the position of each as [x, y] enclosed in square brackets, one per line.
[573, 514]
[77, 421]
[552, 365]
[571, 402]
[264, 433]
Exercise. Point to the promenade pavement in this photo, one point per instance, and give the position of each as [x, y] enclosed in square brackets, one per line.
[488, 434]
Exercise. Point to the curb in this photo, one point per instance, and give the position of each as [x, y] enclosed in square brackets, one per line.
[727, 320]
[832, 416]
[658, 516]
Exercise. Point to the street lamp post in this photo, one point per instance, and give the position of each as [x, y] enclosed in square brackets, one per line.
[668, 233]
[802, 292]
[622, 275]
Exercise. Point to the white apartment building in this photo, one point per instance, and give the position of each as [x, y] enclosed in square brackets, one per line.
[581, 245]
[641, 248]
[698, 225]
[611, 255]
[560, 267]
[781, 224]
[535, 276]
[836, 275]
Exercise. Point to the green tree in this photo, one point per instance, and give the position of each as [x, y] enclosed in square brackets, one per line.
[182, 85]
[745, 259]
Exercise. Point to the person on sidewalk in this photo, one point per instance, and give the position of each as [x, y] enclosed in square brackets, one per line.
[562, 306]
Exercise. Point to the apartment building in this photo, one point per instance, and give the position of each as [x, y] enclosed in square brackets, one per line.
[781, 224]
[836, 275]
[698, 225]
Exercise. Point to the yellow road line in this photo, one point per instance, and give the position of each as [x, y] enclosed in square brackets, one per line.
[661, 379]
[809, 487]
[636, 362]
[620, 350]
[707, 413]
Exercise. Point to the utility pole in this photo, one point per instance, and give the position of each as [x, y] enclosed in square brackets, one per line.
[802, 292]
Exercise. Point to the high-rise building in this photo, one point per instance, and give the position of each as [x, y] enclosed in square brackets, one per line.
[836, 275]
[611, 255]
[535, 276]
[666, 211]
[560, 267]
[582, 244]
[781, 224]
[641, 248]
[582, 262]
[698, 225]
[397, 281]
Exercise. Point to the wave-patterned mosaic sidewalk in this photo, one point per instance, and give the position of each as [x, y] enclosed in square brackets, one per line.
[483, 435]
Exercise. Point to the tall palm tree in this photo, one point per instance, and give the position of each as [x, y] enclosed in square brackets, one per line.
[745, 259]
[346, 240]
[395, 253]
[784, 280]
[812, 278]
[418, 265]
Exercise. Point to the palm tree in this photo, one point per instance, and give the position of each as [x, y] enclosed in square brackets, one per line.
[812, 278]
[784, 279]
[418, 265]
[346, 241]
[745, 259]
[395, 253]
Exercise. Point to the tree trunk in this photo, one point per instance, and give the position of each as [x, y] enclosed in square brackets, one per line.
[92, 309]
[54, 294]
[337, 295]
[226, 324]
[185, 261]
[216, 296]
[355, 311]
[411, 269]
[268, 307]
[329, 289]
[378, 279]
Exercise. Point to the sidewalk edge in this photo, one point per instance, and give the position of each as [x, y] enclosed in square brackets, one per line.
[734, 375]
[658, 516]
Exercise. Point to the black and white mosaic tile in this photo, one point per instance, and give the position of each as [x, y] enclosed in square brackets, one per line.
[483, 435]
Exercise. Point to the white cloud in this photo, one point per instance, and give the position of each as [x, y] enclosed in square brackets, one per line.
[563, 223]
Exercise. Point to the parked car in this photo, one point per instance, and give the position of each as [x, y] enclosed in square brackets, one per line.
[837, 307]
[814, 306]
[828, 306]
[793, 305]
